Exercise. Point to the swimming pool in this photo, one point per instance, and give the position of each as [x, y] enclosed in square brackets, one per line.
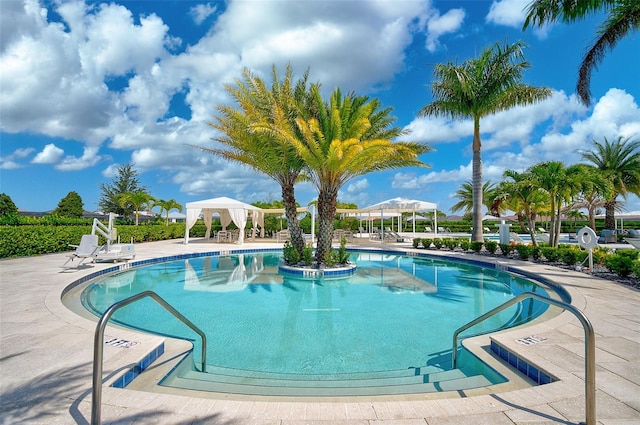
[395, 313]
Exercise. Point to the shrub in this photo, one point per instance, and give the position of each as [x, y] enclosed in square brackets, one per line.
[536, 253]
[505, 248]
[343, 255]
[465, 244]
[630, 253]
[426, 242]
[622, 265]
[331, 258]
[569, 256]
[523, 251]
[416, 242]
[290, 254]
[599, 254]
[491, 246]
[550, 253]
[307, 255]
[437, 242]
[450, 243]
[476, 246]
[635, 268]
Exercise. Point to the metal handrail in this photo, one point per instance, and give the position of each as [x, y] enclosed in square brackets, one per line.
[96, 398]
[589, 345]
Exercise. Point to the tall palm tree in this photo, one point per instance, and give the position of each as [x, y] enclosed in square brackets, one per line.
[478, 88]
[623, 17]
[465, 196]
[348, 136]
[166, 206]
[246, 138]
[619, 162]
[138, 200]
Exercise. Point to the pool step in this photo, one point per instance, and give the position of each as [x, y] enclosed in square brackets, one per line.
[405, 381]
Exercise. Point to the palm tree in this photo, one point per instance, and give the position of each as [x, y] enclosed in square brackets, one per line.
[167, 206]
[138, 200]
[347, 137]
[595, 188]
[619, 162]
[562, 184]
[247, 135]
[465, 196]
[520, 194]
[575, 215]
[477, 88]
[623, 16]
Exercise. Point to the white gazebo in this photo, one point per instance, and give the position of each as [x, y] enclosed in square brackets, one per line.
[400, 205]
[229, 210]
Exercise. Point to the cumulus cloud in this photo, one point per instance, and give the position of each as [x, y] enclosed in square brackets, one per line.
[51, 154]
[89, 158]
[567, 130]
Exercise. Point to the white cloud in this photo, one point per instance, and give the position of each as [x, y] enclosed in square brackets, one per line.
[201, 12]
[89, 158]
[9, 162]
[438, 25]
[104, 75]
[508, 12]
[567, 130]
[51, 154]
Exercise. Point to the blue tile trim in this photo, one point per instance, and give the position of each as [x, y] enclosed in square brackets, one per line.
[139, 367]
[537, 375]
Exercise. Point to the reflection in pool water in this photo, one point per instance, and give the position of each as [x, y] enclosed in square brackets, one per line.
[395, 312]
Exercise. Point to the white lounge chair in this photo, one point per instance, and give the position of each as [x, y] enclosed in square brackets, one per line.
[88, 248]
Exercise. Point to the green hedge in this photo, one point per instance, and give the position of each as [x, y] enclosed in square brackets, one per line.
[28, 240]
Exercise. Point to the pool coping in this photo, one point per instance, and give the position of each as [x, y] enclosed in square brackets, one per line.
[29, 316]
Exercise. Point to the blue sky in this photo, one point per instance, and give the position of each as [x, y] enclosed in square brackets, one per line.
[88, 86]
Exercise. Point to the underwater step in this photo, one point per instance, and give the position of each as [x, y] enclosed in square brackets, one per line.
[217, 370]
[334, 383]
[330, 388]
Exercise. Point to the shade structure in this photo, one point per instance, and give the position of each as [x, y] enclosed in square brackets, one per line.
[494, 218]
[400, 205]
[622, 216]
[229, 210]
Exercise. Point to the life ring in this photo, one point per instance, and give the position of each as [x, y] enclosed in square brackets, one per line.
[587, 238]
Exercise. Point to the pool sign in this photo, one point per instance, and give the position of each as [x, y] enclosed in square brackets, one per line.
[122, 343]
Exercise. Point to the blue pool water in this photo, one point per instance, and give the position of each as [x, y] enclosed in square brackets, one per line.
[395, 312]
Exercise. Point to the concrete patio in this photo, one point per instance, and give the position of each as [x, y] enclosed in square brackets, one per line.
[46, 362]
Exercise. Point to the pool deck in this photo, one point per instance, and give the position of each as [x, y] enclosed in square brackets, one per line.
[46, 354]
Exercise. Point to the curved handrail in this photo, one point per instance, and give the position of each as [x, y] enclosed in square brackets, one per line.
[589, 344]
[96, 397]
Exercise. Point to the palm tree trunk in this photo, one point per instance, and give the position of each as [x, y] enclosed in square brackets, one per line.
[610, 218]
[476, 232]
[326, 213]
[558, 225]
[290, 211]
[531, 224]
[592, 218]
[552, 224]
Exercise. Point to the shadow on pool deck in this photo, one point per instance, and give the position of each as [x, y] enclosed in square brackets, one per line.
[46, 353]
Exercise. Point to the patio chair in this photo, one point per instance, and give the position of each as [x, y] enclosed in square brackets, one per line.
[392, 234]
[88, 248]
[608, 236]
